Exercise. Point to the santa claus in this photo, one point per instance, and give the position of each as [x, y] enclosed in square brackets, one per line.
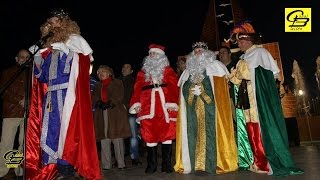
[154, 99]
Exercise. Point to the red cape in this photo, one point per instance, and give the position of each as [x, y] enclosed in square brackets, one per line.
[80, 146]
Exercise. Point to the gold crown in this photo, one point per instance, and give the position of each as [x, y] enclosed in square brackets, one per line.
[202, 45]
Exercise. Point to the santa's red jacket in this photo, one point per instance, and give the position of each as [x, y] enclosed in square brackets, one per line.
[157, 122]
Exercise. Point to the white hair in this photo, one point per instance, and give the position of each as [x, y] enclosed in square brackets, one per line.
[196, 64]
[154, 67]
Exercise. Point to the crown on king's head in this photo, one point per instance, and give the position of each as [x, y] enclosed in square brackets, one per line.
[59, 12]
[202, 45]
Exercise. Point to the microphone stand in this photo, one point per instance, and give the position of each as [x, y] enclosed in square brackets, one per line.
[25, 67]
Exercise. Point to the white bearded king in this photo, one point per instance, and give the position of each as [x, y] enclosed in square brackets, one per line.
[197, 63]
[204, 120]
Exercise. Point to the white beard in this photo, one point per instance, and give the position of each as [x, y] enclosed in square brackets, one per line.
[196, 64]
[154, 68]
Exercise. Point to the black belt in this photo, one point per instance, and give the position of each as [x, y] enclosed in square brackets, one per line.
[153, 86]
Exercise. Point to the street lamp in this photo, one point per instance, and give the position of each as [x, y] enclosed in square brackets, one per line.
[300, 93]
[305, 109]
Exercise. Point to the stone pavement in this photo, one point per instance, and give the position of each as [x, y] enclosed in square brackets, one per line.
[306, 156]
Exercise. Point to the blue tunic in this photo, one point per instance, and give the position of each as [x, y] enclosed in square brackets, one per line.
[54, 71]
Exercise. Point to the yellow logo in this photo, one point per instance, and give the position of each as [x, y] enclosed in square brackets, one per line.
[13, 158]
[297, 19]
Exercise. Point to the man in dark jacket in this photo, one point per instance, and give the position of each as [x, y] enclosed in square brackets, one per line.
[128, 83]
[13, 111]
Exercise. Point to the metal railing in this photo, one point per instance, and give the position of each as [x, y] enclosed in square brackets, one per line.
[315, 106]
[312, 107]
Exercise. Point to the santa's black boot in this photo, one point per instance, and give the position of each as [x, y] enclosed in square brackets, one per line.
[166, 158]
[152, 160]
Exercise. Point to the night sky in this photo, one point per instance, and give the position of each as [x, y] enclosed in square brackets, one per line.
[120, 31]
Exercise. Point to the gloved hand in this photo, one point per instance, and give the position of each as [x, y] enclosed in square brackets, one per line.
[33, 49]
[196, 90]
[98, 104]
[104, 105]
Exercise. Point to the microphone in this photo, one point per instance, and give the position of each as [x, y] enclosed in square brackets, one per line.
[44, 39]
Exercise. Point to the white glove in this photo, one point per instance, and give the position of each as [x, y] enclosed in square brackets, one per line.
[137, 109]
[33, 49]
[196, 90]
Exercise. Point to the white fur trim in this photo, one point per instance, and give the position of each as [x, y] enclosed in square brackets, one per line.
[184, 77]
[173, 119]
[132, 109]
[77, 43]
[151, 115]
[256, 57]
[163, 102]
[152, 106]
[216, 68]
[151, 144]
[270, 169]
[61, 46]
[156, 50]
[184, 136]
[167, 142]
[172, 105]
[68, 103]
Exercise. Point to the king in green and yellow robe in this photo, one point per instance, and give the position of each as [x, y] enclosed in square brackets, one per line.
[205, 135]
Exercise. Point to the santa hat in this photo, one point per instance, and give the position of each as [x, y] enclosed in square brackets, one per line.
[156, 48]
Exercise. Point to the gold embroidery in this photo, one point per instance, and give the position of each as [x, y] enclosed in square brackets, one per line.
[204, 95]
[201, 134]
[191, 95]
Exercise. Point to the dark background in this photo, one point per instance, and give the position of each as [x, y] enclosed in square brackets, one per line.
[120, 31]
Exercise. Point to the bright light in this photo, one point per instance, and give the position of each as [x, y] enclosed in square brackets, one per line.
[300, 92]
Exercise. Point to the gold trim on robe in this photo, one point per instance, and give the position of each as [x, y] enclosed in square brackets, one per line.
[227, 157]
[178, 167]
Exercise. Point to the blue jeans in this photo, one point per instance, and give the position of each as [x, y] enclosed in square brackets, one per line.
[134, 140]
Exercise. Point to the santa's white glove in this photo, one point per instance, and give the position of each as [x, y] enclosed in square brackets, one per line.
[196, 90]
